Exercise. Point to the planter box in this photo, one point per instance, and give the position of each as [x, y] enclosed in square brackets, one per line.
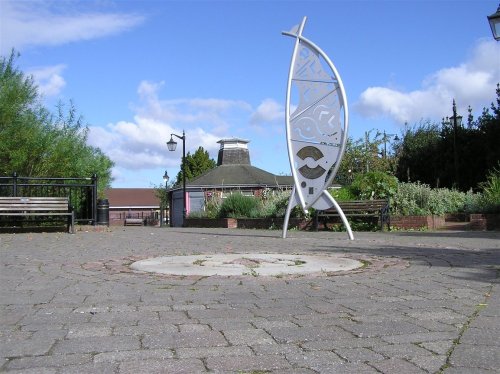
[246, 223]
[227, 223]
[477, 222]
[482, 222]
[418, 222]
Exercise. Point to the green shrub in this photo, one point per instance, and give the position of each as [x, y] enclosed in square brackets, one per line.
[421, 199]
[274, 205]
[356, 225]
[491, 191]
[475, 203]
[342, 194]
[374, 185]
[237, 205]
[443, 200]
[410, 199]
[212, 207]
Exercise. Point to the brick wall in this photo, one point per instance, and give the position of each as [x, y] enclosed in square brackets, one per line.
[418, 222]
[483, 222]
[244, 223]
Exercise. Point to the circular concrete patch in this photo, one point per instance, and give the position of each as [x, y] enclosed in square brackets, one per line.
[245, 264]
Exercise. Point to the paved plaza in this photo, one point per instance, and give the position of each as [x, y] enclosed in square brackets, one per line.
[423, 302]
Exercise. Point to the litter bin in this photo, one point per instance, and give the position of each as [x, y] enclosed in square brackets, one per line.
[103, 212]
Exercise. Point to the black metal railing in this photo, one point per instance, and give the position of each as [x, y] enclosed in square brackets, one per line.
[81, 192]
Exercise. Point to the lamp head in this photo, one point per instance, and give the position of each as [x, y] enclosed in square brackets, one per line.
[171, 144]
[494, 21]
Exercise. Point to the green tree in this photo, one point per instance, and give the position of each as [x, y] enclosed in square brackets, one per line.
[196, 164]
[363, 156]
[417, 154]
[374, 185]
[426, 153]
[37, 143]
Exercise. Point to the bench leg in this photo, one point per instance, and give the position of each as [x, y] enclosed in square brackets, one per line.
[71, 223]
[316, 221]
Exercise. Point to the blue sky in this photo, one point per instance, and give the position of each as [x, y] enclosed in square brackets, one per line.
[140, 70]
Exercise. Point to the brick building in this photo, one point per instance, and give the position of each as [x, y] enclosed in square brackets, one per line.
[234, 172]
[132, 203]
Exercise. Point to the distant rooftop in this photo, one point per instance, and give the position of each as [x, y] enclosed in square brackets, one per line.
[240, 176]
[132, 197]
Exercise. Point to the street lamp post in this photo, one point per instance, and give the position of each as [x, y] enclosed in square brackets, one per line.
[164, 211]
[386, 139]
[455, 121]
[494, 21]
[172, 145]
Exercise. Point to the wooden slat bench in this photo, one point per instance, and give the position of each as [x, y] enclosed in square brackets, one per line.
[38, 206]
[359, 208]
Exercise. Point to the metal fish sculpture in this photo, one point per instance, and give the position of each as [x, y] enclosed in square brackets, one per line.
[316, 130]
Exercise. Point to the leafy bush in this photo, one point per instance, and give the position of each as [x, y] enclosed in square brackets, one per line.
[342, 194]
[443, 200]
[357, 225]
[237, 205]
[491, 191]
[271, 204]
[274, 205]
[410, 199]
[421, 199]
[374, 185]
[475, 203]
[212, 207]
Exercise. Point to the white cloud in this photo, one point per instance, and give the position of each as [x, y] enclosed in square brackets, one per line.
[213, 114]
[49, 79]
[141, 143]
[471, 83]
[34, 23]
[269, 111]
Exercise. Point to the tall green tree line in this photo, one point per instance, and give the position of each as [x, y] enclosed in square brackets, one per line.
[427, 152]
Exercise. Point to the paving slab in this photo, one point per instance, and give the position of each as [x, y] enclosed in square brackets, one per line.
[412, 302]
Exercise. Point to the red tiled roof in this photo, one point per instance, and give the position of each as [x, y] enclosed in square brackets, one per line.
[132, 197]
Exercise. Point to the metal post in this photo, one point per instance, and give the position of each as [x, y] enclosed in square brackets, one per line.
[171, 147]
[184, 211]
[94, 199]
[455, 154]
[14, 184]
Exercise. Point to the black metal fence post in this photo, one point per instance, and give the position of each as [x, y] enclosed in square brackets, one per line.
[14, 184]
[94, 198]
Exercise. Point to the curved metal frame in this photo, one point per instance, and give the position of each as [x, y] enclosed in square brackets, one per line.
[297, 196]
